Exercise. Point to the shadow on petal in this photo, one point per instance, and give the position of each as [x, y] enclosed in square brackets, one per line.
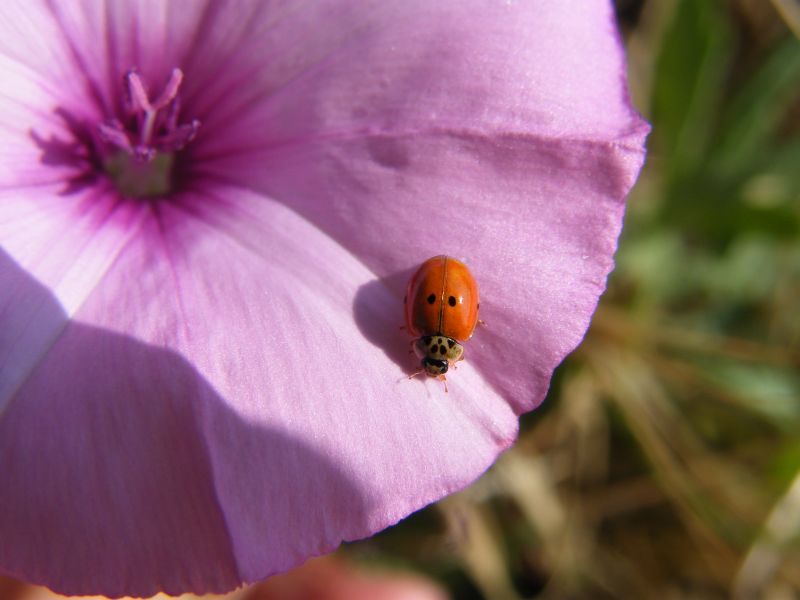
[76, 152]
[125, 473]
[379, 314]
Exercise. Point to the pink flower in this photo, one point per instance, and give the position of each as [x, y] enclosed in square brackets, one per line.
[208, 213]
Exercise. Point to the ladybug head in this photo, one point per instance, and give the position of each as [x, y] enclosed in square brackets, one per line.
[434, 366]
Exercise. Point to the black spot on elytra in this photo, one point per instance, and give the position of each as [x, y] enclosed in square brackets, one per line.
[431, 298]
[442, 350]
[427, 340]
[451, 300]
[451, 342]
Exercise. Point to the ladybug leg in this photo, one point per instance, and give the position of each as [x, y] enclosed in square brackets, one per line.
[415, 373]
[444, 380]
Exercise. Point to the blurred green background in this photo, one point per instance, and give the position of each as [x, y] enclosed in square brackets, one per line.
[665, 462]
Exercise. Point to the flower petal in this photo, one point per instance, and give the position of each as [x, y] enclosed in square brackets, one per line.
[231, 381]
[223, 372]
[548, 69]
[89, 46]
[537, 222]
[485, 132]
[38, 146]
[67, 243]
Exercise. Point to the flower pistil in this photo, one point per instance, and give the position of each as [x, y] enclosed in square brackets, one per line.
[138, 152]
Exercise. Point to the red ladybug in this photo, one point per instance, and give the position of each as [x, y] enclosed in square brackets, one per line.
[441, 313]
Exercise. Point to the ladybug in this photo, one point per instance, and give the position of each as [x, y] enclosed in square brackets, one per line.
[441, 306]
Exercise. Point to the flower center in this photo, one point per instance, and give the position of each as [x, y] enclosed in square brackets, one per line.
[138, 152]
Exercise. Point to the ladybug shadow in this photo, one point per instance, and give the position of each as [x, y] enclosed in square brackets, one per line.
[378, 311]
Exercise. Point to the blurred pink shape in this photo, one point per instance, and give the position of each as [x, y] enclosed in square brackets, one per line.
[333, 579]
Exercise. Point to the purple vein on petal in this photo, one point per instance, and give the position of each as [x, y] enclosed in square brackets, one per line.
[112, 62]
[199, 35]
[221, 63]
[218, 99]
[244, 77]
[163, 242]
[82, 67]
[269, 90]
